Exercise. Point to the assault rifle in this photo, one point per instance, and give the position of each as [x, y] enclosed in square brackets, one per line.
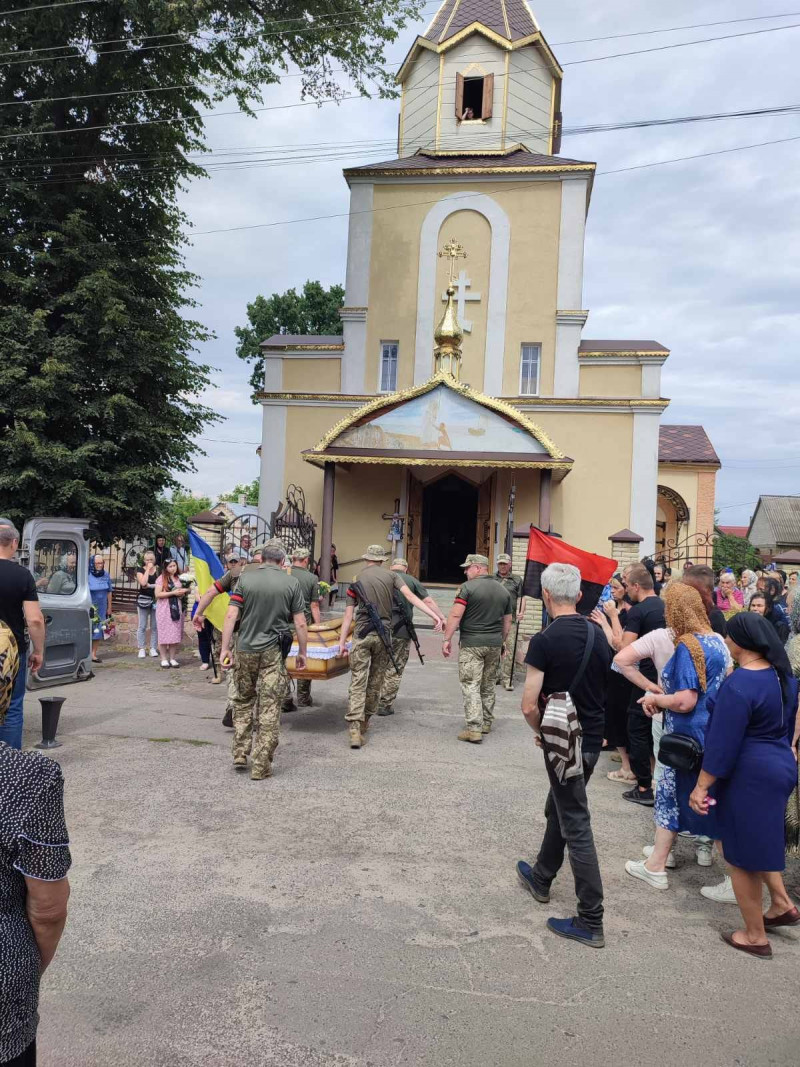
[407, 612]
[375, 622]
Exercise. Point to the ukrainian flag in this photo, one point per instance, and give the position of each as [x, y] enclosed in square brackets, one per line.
[207, 568]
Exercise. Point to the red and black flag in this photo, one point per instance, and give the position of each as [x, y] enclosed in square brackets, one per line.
[544, 550]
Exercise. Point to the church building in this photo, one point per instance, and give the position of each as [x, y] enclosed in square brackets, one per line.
[462, 391]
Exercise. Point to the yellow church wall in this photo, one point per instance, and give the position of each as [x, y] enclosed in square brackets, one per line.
[304, 428]
[593, 501]
[534, 210]
[312, 375]
[611, 381]
[684, 482]
[363, 494]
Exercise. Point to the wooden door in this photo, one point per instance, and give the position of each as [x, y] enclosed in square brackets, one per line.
[483, 533]
[414, 525]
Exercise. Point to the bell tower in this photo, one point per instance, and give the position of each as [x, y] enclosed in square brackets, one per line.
[480, 80]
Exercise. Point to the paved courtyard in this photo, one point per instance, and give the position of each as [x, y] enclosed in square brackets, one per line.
[361, 908]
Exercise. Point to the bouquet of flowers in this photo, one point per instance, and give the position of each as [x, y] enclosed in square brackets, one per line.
[109, 628]
[187, 579]
[324, 589]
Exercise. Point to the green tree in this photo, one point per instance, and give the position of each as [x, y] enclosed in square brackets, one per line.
[99, 391]
[249, 492]
[315, 310]
[735, 552]
[174, 512]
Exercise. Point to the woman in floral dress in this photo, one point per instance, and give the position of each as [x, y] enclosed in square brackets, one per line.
[693, 675]
[169, 613]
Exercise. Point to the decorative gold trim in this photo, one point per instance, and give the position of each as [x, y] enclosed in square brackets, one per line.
[505, 18]
[328, 457]
[303, 348]
[449, 22]
[588, 401]
[477, 27]
[511, 401]
[355, 307]
[623, 352]
[458, 153]
[428, 172]
[505, 92]
[439, 99]
[390, 400]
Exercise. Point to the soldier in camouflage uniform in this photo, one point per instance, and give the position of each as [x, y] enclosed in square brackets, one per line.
[369, 660]
[401, 638]
[482, 613]
[505, 668]
[309, 586]
[266, 602]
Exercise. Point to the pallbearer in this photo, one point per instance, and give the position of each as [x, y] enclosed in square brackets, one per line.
[511, 582]
[402, 615]
[309, 587]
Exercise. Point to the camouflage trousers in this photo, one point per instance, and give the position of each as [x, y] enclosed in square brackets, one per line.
[505, 666]
[477, 671]
[229, 677]
[401, 647]
[368, 665]
[260, 679]
[303, 686]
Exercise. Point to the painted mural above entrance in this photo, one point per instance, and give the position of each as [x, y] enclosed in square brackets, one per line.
[442, 421]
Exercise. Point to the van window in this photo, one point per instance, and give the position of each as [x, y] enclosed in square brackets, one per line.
[55, 566]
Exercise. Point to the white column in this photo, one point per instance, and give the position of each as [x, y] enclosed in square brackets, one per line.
[651, 381]
[569, 296]
[273, 458]
[359, 254]
[644, 478]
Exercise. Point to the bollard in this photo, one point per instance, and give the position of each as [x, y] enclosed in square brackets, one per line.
[51, 710]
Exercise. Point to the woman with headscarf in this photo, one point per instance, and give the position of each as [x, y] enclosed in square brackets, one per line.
[776, 613]
[690, 679]
[749, 762]
[749, 585]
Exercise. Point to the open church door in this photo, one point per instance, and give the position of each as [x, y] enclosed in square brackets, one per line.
[483, 533]
[414, 525]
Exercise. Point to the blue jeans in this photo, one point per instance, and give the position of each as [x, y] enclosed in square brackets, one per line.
[11, 729]
[147, 615]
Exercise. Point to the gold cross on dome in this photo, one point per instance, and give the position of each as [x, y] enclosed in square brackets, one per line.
[452, 251]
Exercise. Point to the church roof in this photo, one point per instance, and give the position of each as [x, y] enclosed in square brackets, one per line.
[518, 161]
[611, 348]
[511, 19]
[685, 444]
[439, 423]
[303, 340]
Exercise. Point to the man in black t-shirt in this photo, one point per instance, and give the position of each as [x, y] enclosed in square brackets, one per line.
[19, 608]
[646, 615]
[554, 660]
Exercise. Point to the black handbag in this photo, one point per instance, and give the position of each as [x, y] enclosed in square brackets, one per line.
[680, 752]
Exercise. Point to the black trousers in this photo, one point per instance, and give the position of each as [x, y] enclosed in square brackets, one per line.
[640, 742]
[25, 1059]
[569, 825]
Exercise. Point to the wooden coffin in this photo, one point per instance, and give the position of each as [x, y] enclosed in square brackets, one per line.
[322, 636]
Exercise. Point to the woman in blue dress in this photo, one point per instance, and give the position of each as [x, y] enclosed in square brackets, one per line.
[100, 591]
[690, 679]
[750, 763]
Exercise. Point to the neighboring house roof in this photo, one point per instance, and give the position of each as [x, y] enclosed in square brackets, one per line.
[734, 531]
[511, 19]
[605, 348]
[235, 509]
[685, 444]
[518, 161]
[782, 514]
[303, 340]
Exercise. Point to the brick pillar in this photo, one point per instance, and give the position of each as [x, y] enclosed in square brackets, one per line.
[626, 547]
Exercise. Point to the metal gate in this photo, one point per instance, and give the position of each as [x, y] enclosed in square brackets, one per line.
[292, 523]
[702, 548]
[243, 533]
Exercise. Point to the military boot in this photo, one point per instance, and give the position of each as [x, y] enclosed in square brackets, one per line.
[257, 774]
[486, 728]
[386, 711]
[240, 761]
[356, 737]
[289, 705]
[228, 718]
[473, 736]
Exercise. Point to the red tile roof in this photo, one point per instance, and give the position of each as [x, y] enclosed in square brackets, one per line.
[685, 444]
[734, 531]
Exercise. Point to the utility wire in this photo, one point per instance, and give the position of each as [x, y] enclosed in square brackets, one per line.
[45, 7]
[467, 196]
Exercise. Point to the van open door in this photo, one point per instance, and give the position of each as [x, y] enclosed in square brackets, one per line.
[56, 552]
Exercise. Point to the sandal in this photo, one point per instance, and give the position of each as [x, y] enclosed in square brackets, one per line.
[621, 777]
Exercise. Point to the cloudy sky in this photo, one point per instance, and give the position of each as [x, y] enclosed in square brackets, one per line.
[702, 255]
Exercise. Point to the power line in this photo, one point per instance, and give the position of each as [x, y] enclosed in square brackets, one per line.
[45, 7]
[467, 196]
[675, 29]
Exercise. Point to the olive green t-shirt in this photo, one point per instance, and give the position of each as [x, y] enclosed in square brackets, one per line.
[402, 611]
[309, 587]
[379, 586]
[267, 598]
[486, 602]
[513, 584]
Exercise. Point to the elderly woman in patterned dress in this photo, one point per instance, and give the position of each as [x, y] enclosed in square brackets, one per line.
[693, 675]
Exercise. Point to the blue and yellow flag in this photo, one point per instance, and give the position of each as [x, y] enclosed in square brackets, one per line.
[207, 568]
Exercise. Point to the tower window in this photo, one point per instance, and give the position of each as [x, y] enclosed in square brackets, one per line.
[474, 97]
[388, 375]
[529, 370]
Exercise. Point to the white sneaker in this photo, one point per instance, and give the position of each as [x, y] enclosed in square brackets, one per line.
[656, 879]
[648, 851]
[705, 853]
[720, 894]
[174, 663]
[142, 653]
[154, 653]
[165, 663]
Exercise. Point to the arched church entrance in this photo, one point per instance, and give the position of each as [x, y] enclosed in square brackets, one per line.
[449, 528]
